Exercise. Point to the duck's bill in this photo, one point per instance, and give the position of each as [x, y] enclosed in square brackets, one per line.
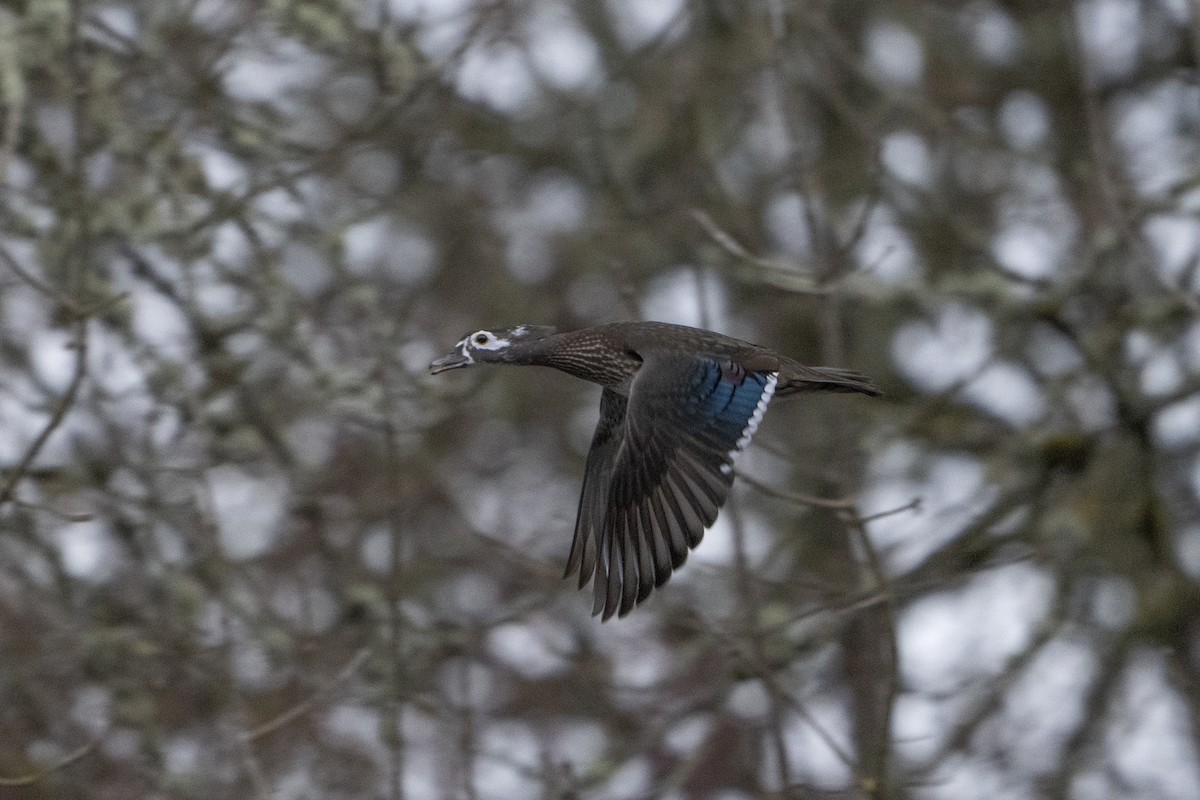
[452, 361]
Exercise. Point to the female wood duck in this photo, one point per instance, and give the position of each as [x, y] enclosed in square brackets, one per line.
[679, 404]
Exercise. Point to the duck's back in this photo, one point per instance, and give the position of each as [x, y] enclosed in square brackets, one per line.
[644, 338]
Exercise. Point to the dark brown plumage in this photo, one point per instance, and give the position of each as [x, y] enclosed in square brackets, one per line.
[678, 405]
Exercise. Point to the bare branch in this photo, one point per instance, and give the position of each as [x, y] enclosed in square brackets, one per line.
[39, 776]
[321, 695]
[63, 407]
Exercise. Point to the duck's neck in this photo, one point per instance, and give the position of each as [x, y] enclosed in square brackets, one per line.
[588, 354]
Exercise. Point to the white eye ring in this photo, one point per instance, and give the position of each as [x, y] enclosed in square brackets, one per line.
[483, 340]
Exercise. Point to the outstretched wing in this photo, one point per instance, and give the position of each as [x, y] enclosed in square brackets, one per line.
[597, 474]
[668, 466]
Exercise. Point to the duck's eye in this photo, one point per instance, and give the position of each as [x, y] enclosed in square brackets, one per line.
[481, 338]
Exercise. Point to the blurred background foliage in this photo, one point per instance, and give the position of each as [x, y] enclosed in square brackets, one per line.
[250, 548]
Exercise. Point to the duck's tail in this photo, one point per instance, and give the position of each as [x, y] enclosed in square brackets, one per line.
[797, 378]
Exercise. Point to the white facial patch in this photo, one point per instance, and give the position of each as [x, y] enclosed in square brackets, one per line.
[754, 421]
[464, 347]
[483, 340]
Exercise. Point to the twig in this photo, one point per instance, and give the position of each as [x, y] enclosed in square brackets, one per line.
[879, 760]
[824, 735]
[42, 774]
[60, 412]
[730, 245]
[65, 516]
[41, 286]
[753, 630]
[12, 94]
[73, 309]
[911, 505]
[842, 504]
[1111, 194]
[395, 633]
[308, 704]
[726, 242]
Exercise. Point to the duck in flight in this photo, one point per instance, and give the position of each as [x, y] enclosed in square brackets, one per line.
[679, 404]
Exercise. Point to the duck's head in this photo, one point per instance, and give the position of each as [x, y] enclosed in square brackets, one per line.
[495, 346]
